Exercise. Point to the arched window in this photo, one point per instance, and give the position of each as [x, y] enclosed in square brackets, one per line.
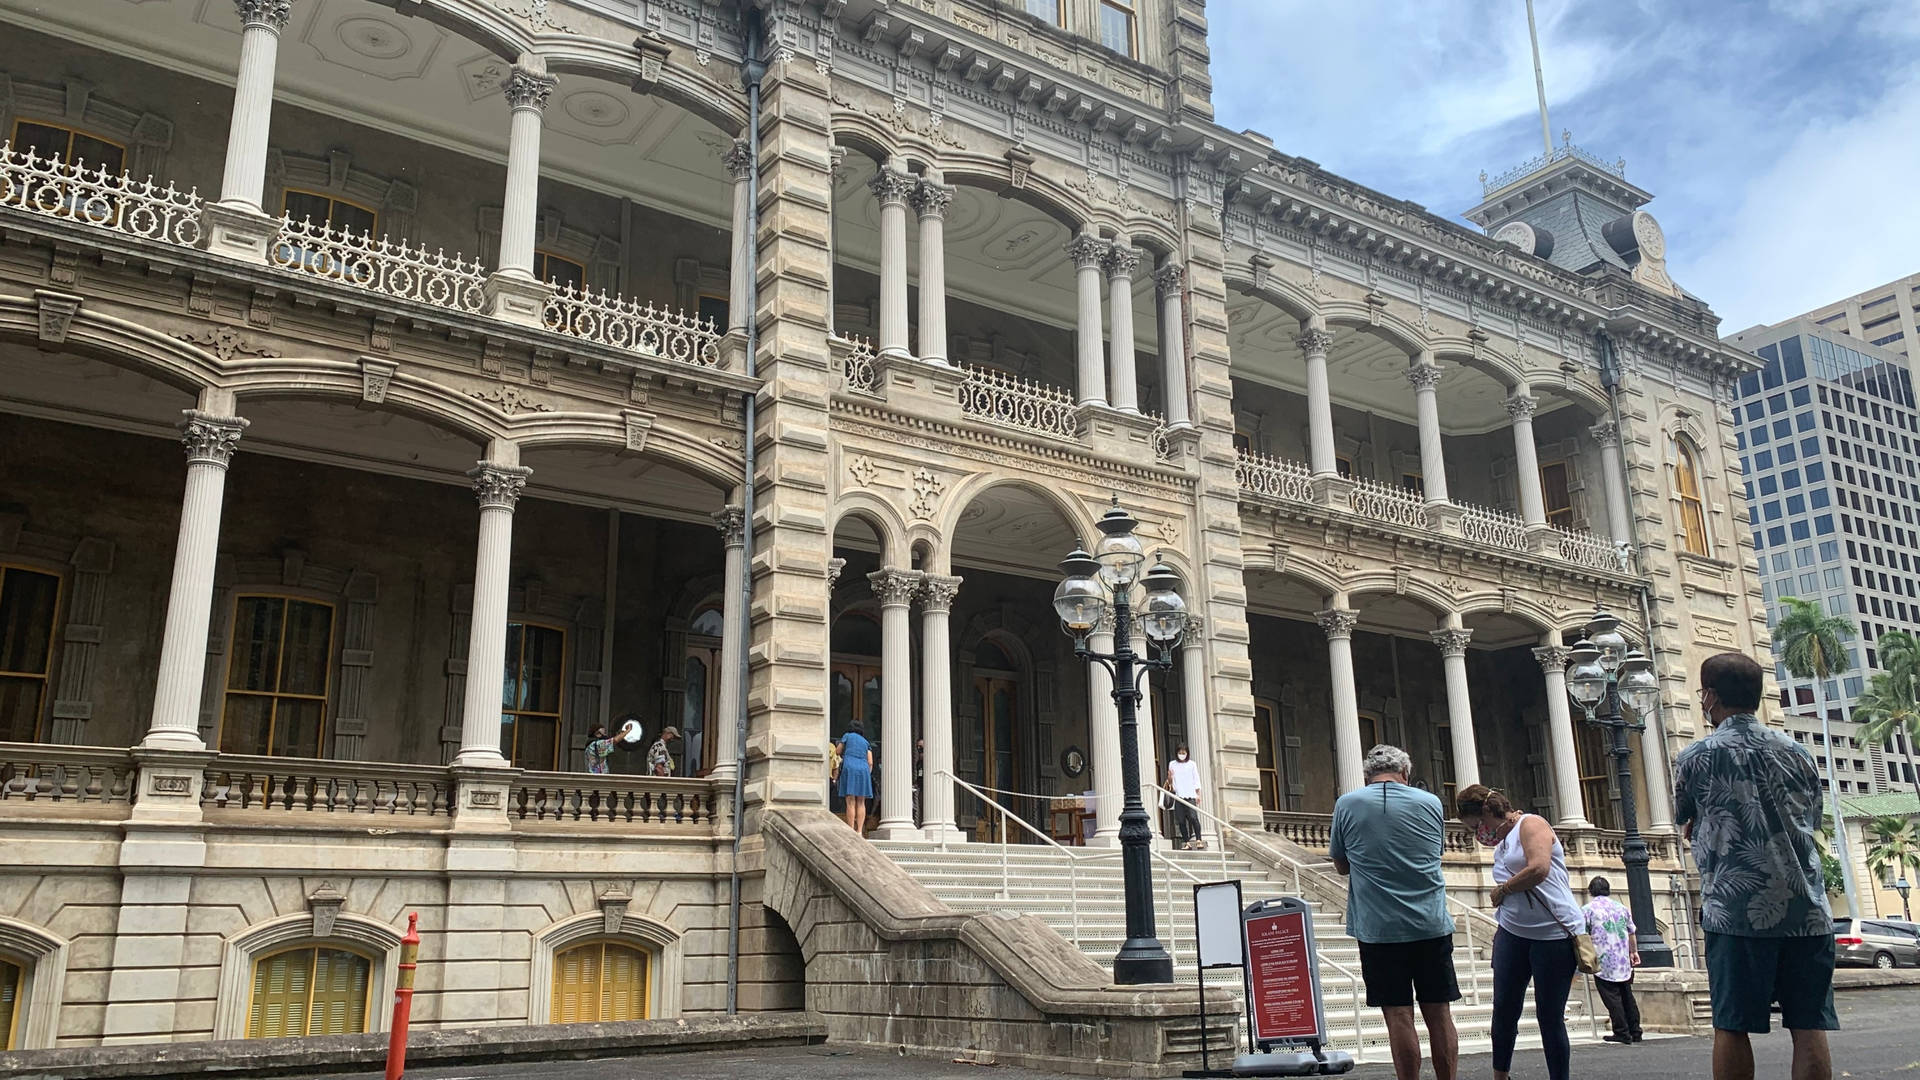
[309, 990]
[600, 981]
[10, 979]
[1693, 512]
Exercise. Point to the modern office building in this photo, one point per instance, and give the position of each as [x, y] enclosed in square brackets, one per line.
[1887, 317]
[1828, 433]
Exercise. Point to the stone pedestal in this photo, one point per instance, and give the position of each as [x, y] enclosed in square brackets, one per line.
[919, 387]
[1123, 436]
[516, 298]
[1333, 491]
[1445, 518]
[237, 231]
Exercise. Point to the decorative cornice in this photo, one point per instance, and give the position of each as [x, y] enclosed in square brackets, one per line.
[1423, 377]
[931, 199]
[528, 89]
[1521, 408]
[498, 486]
[1314, 341]
[1121, 262]
[210, 439]
[894, 588]
[937, 592]
[892, 187]
[266, 14]
[732, 523]
[1337, 622]
[1452, 641]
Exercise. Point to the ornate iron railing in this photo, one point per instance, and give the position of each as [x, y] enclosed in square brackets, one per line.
[612, 800]
[623, 324]
[1162, 443]
[1389, 503]
[1018, 403]
[380, 265]
[1616, 168]
[70, 191]
[1274, 478]
[271, 785]
[1594, 552]
[857, 371]
[37, 773]
[1487, 527]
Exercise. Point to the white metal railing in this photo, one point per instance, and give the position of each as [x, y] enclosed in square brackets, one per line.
[384, 266]
[1389, 503]
[858, 372]
[1074, 859]
[1274, 478]
[1594, 552]
[1162, 444]
[1030, 406]
[623, 324]
[1487, 527]
[70, 191]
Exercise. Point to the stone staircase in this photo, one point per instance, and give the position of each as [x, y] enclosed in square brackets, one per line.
[1080, 896]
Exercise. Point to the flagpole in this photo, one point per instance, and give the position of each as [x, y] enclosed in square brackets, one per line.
[1539, 83]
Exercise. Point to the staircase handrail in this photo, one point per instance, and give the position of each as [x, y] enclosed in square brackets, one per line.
[1073, 858]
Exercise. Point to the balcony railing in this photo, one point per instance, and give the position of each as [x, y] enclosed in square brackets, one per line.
[36, 774]
[382, 266]
[277, 786]
[1032, 407]
[623, 324]
[1313, 831]
[1388, 503]
[1594, 552]
[70, 191]
[1274, 478]
[858, 371]
[1484, 526]
[612, 800]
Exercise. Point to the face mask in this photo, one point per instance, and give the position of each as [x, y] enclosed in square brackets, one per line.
[1487, 833]
[1183, 756]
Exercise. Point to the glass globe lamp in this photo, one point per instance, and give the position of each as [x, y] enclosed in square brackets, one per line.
[1639, 688]
[1163, 614]
[1586, 678]
[1080, 600]
[1604, 631]
[1119, 552]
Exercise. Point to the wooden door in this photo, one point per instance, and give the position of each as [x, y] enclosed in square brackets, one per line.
[996, 701]
[1268, 755]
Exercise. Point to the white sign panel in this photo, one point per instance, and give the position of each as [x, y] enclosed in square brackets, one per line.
[1216, 912]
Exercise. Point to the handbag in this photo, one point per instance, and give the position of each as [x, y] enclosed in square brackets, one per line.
[1586, 956]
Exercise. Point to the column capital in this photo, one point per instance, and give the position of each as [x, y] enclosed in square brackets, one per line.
[893, 587]
[732, 523]
[267, 14]
[210, 439]
[930, 200]
[892, 187]
[1168, 277]
[1196, 633]
[1120, 262]
[1553, 657]
[1452, 640]
[1522, 406]
[498, 486]
[937, 592]
[834, 567]
[738, 160]
[1606, 433]
[1314, 340]
[1337, 622]
[1423, 377]
[1086, 251]
[527, 87]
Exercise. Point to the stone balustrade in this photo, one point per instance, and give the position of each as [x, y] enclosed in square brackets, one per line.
[67, 777]
[619, 323]
[1584, 846]
[70, 191]
[1032, 407]
[384, 266]
[276, 787]
[670, 802]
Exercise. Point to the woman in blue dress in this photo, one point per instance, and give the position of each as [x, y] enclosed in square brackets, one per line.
[856, 775]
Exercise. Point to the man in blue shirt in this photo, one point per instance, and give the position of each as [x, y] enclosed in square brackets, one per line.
[1387, 838]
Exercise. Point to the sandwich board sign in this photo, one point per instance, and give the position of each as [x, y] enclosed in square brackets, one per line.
[1284, 1008]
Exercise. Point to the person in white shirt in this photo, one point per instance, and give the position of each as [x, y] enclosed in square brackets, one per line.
[1183, 779]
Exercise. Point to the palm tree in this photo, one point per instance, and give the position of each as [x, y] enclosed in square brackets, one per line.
[1811, 644]
[1896, 843]
[1890, 704]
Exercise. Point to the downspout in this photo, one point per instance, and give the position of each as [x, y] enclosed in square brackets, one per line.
[751, 71]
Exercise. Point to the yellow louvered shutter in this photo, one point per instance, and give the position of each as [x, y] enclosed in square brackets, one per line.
[9, 998]
[576, 984]
[280, 993]
[339, 993]
[623, 987]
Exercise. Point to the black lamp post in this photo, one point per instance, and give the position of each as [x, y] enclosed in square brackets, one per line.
[1903, 887]
[1096, 584]
[1602, 678]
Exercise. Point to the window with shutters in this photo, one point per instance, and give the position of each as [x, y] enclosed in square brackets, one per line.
[29, 600]
[277, 676]
[309, 990]
[600, 981]
[1558, 494]
[1693, 514]
[531, 699]
[10, 978]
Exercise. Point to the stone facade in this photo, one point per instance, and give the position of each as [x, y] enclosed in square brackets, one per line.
[970, 278]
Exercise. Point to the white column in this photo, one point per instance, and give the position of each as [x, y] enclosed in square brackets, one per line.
[930, 201]
[731, 522]
[1613, 472]
[1453, 661]
[1193, 699]
[1103, 735]
[893, 186]
[210, 440]
[936, 703]
[1526, 460]
[1566, 760]
[1091, 368]
[1653, 765]
[526, 88]
[1347, 751]
[245, 175]
[497, 485]
[894, 589]
[1120, 262]
[739, 163]
[1425, 379]
[1167, 278]
[1314, 342]
[1146, 741]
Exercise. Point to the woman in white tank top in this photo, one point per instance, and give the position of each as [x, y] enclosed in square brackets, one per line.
[1534, 905]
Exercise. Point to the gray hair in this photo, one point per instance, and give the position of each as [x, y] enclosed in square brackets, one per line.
[1385, 759]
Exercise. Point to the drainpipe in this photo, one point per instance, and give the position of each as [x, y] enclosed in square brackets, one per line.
[751, 71]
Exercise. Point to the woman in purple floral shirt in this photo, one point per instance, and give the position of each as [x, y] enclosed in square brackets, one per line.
[1614, 937]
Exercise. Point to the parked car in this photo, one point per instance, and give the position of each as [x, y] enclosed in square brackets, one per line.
[1881, 943]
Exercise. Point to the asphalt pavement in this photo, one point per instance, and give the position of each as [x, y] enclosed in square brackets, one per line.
[1877, 1041]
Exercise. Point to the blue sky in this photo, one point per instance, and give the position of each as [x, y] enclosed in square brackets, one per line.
[1780, 138]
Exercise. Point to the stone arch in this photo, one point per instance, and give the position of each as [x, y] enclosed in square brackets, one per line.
[1358, 315]
[1460, 352]
[1077, 519]
[996, 176]
[1406, 586]
[1261, 284]
[879, 515]
[489, 27]
[613, 922]
[1306, 572]
[855, 133]
[1512, 602]
[655, 70]
[1569, 388]
[325, 924]
[42, 957]
[49, 321]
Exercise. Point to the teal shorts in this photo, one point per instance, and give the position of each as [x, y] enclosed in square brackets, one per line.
[1746, 975]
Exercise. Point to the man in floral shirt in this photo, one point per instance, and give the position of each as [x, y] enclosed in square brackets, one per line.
[1613, 932]
[1749, 800]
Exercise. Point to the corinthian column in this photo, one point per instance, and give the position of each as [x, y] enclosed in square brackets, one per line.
[731, 522]
[936, 704]
[894, 589]
[512, 292]
[1173, 344]
[1314, 341]
[930, 200]
[1338, 624]
[497, 486]
[739, 164]
[210, 441]
[1566, 760]
[1424, 377]
[1613, 473]
[1120, 262]
[238, 225]
[1091, 369]
[1453, 660]
[1526, 460]
[893, 187]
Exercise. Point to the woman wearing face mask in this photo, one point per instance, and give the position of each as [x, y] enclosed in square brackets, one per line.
[1533, 903]
[1183, 779]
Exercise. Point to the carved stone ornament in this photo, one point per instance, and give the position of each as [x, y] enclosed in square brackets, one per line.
[738, 160]
[536, 15]
[56, 314]
[375, 377]
[1521, 407]
[937, 592]
[1338, 622]
[1019, 166]
[930, 200]
[1605, 433]
[891, 187]
[509, 400]
[732, 523]
[1167, 278]
[1423, 377]
[1086, 251]
[834, 568]
[863, 471]
[271, 14]
[1121, 262]
[526, 89]
[901, 120]
[927, 488]
[1553, 657]
[498, 486]
[894, 588]
[1452, 642]
[613, 909]
[1314, 342]
[639, 426]
[210, 439]
[225, 343]
[324, 902]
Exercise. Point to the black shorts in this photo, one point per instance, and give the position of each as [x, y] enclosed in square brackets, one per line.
[1403, 972]
[1746, 975]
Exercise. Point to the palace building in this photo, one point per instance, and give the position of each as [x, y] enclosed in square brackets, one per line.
[393, 392]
